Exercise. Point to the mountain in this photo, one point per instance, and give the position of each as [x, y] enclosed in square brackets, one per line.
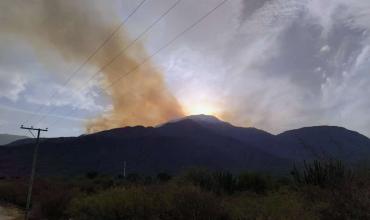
[194, 141]
[8, 138]
[325, 142]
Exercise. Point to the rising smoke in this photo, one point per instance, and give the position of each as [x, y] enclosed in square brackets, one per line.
[74, 29]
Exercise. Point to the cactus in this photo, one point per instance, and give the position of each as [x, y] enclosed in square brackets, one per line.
[321, 173]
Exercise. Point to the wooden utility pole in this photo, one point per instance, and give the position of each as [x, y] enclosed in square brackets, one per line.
[124, 169]
[33, 171]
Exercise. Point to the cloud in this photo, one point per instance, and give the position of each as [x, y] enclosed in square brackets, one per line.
[24, 78]
[65, 96]
[351, 13]
[282, 64]
[271, 64]
[61, 126]
[11, 85]
[325, 49]
[298, 65]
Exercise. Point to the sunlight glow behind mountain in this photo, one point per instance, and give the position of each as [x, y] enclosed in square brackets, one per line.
[202, 108]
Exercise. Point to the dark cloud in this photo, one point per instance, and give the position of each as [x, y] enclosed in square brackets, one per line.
[248, 7]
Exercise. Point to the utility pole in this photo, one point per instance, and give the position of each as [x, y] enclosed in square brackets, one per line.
[124, 169]
[33, 171]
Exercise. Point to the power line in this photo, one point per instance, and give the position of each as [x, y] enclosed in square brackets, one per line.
[120, 53]
[87, 60]
[160, 49]
[167, 44]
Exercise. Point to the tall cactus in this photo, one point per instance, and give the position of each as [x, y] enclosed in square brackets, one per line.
[321, 173]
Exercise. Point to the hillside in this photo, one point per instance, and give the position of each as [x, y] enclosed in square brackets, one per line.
[7, 138]
[195, 141]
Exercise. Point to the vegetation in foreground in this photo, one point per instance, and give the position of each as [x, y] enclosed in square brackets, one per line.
[320, 190]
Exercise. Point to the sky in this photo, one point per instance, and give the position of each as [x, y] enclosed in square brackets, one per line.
[271, 64]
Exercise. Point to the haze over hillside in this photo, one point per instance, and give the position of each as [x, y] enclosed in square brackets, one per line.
[8, 138]
[194, 141]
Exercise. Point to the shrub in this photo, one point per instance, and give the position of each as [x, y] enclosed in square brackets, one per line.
[344, 194]
[282, 205]
[92, 174]
[133, 178]
[323, 174]
[224, 182]
[190, 202]
[254, 182]
[198, 177]
[218, 182]
[54, 201]
[346, 201]
[166, 203]
[164, 177]
[119, 203]
[14, 192]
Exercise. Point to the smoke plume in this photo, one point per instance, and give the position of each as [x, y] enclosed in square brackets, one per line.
[74, 29]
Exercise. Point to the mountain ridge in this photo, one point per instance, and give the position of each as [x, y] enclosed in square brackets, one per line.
[9, 138]
[194, 141]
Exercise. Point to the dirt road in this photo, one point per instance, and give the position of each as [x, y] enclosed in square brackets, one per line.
[7, 213]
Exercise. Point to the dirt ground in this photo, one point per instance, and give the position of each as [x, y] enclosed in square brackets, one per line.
[10, 213]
